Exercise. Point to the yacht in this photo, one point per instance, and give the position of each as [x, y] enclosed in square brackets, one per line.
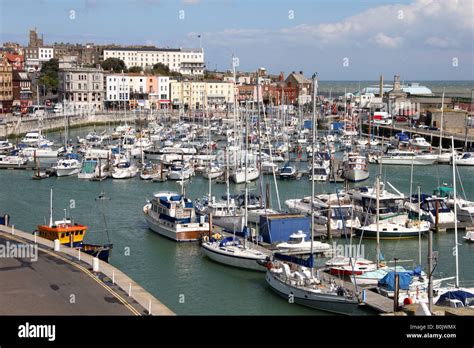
[172, 215]
[35, 138]
[298, 243]
[466, 159]
[308, 289]
[213, 172]
[180, 171]
[287, 172]
[232, 252]
[429, 204]
[239, 175]
[225, 214]
[14, 160]
[355, 167]
[5, 146]
[68, 166]
[124, 169]
[399, 157]
[419, 143]
[394, 229]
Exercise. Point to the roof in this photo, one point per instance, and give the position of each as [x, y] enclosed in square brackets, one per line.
[299, 78]
[143, 49]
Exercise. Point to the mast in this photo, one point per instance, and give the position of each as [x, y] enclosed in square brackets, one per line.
[377, 200]
[455, 215]
[51, 207]
[259, 163]
[313, 128]
[441, 128]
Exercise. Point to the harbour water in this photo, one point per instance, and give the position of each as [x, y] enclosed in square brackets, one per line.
[179, 274]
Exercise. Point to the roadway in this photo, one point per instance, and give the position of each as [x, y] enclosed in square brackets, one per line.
[55, 285]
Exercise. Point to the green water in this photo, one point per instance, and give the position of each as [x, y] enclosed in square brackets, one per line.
[170, 270]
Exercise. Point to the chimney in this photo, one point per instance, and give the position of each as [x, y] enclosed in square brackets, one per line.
[381, 87]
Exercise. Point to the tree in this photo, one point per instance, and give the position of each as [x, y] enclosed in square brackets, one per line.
[135, 69]
[162, 69]
[115, 64]
[49, 75]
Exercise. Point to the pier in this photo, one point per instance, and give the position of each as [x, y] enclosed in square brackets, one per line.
[67, 282]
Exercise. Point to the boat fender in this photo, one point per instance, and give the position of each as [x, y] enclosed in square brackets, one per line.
[339, 172]
[407, 301]
[269, 265]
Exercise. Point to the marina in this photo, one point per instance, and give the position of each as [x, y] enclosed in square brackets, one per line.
[189, 263]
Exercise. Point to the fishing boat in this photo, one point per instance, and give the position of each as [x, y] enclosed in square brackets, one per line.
[68, 166]
[355, 167]
[72, 234]
[172, 215]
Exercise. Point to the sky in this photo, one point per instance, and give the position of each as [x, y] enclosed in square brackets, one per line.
[339, 39]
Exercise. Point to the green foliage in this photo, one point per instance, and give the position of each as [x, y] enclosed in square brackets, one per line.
[135, 69]
[49, 75]
[164, 70]
[114, 64]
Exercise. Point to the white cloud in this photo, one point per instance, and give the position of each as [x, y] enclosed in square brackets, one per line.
[441, 42]
[421, 23]
[383, 40]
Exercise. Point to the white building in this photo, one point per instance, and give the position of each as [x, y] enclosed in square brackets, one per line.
[182, 60]
[195, 95]
[82, 89]
[45, 53]
[116, 88]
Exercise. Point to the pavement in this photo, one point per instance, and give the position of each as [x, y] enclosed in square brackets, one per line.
[56, 285]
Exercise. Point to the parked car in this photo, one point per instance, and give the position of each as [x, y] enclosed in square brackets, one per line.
[401, 119]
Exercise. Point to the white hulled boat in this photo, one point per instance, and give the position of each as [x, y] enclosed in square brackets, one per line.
[172, 215]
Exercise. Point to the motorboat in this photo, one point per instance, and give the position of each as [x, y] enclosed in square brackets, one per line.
[419, 143]
[124, 169]
[180, 171]
[212, 172]
[399, 157]
[68, 166]
[298, 243]
[429, 205]
[466, 159]
[355, 167]
[287, 172]
[390, 229]
[173, 216]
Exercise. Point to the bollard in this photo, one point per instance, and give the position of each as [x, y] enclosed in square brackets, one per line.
[57, 245]
[79, 254]
[13, 229]
[113, 277]
[149, 307]
[129, 289]
[35, 236]
[364, 295]
[95, 264]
